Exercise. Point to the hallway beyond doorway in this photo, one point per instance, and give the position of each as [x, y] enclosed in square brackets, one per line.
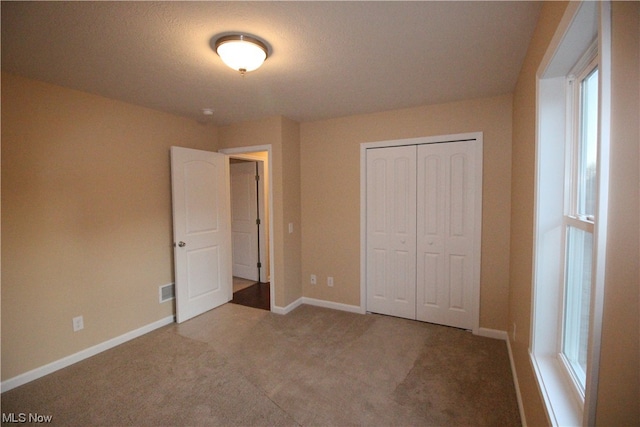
[251, 294]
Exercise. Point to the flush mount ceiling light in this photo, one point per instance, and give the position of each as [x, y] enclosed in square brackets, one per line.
[240, 52]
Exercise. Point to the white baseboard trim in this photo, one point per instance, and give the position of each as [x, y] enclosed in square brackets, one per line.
[318, 303]
[523, 419]
[49, 368]
[503, 335]
[288, 309]
[334, 305]
[493, 333]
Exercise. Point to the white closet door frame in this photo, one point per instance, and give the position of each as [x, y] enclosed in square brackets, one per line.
[478, 137]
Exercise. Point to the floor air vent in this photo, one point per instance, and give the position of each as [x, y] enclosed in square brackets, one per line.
[167, 292]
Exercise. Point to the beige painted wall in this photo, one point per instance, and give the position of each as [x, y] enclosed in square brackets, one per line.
[522, 203]
[330, 169]
[619, 389]
[283, 136]
[291, 190]
[86, 218]
[619, 386]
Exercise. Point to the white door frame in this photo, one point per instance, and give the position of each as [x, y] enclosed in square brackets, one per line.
[363, 210]
[246, 154]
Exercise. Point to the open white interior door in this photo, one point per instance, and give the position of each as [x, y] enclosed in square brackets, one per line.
[201, 230]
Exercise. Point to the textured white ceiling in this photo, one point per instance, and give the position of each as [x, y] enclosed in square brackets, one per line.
[328, 59]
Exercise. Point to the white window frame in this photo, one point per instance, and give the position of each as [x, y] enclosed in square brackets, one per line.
[572, 218]
[582, 23]
[587, 64]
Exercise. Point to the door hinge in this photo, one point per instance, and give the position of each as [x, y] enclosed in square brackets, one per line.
[257, 177]
[258, 221]
[259, 265]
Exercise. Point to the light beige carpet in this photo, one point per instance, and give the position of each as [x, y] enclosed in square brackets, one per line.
[313, 367]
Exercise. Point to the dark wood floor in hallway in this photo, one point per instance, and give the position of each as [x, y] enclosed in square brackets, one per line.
[256, 296]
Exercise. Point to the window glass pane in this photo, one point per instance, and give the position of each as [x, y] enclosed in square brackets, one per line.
[577, 300]
[587, 152]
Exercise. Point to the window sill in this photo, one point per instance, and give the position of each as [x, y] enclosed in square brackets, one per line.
[562, 407]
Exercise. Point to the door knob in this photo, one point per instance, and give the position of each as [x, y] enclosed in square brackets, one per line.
[182, 244]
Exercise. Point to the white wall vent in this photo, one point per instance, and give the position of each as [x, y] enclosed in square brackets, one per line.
[167, 293]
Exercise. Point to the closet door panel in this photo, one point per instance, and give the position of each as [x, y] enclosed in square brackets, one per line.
[431, 230]
[391, 231]
[446, 198]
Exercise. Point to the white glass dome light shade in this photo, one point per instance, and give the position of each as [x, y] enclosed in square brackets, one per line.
[242, 53]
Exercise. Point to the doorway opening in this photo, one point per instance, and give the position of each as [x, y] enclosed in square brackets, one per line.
[252, 242]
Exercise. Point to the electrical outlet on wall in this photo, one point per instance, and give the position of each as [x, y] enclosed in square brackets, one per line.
[78, 323]
[314, 279]
[330, 281]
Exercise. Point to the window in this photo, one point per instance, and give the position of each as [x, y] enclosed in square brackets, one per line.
[573, 110]
[581, 177]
